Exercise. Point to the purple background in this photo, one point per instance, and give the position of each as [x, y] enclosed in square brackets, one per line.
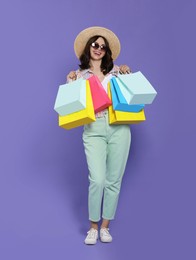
[43, 185]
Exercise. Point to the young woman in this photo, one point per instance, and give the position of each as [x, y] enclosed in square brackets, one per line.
[106, 146]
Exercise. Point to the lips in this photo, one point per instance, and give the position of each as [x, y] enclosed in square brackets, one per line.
[97, 53]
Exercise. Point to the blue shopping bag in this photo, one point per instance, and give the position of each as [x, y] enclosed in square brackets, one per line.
[118, 100]
[71, 97]
[136, 88]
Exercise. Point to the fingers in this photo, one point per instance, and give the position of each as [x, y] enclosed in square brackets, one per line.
[124, 69]
[72, 76]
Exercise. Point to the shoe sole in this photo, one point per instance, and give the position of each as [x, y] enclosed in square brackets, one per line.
[90, 243]
[105, 241]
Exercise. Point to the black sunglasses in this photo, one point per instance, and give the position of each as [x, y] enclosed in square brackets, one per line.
[96, 46]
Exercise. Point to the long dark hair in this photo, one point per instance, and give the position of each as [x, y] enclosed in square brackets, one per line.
[107, 61]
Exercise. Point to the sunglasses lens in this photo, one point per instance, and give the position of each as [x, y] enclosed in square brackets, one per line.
[96, 46]
[103, 47]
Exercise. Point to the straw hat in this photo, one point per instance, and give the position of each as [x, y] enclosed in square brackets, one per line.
[83, 37]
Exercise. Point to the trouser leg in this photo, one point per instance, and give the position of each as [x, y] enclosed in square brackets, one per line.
[95, 149]
[117, 154]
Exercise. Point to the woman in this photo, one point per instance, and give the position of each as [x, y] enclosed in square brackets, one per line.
[106, 146]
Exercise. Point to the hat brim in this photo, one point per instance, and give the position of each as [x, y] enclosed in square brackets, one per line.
[83, 37]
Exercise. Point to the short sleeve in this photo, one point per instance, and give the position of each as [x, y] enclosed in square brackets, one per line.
[115, 70]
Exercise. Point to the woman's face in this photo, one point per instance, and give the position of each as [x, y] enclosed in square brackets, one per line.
[98, 54]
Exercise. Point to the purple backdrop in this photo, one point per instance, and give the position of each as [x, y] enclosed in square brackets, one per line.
[43, 185]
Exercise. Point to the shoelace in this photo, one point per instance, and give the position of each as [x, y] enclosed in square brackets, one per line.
[106, 231]
[92, 233]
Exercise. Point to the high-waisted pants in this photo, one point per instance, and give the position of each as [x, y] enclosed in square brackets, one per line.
[106, 148]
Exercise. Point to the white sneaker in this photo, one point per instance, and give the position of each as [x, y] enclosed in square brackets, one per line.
[105, 235]
[92, 237]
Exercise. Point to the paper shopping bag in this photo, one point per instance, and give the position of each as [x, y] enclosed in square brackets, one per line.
[118, 100]
[81, 117]
[136, 88]
[99, 95]
[120, 117]
[71, 97]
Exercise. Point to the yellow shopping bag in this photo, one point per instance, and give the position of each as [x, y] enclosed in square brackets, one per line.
[81, 117]
[121, 117]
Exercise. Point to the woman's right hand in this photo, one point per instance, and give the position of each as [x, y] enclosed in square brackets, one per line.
[71, 76]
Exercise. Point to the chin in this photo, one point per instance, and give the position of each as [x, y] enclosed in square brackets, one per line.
[97, 58]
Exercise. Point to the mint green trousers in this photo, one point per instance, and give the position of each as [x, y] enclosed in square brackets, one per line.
[106, 148]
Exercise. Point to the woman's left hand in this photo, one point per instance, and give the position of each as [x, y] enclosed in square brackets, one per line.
[124, 69]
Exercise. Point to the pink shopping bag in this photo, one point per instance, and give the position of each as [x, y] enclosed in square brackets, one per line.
[99, 95]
